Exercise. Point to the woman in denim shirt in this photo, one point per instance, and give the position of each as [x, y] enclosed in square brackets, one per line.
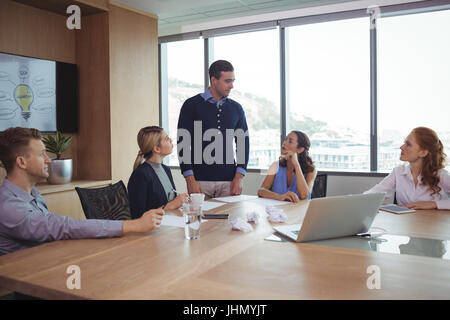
[292, 177]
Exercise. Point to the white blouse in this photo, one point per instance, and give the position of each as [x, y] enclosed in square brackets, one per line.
[401, 181]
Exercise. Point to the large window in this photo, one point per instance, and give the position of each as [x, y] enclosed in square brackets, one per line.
[413, 80]
[323, 83]
[184, 79]
[328, 91]
[257, 88]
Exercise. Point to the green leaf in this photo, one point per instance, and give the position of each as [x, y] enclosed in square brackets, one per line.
[57, 144]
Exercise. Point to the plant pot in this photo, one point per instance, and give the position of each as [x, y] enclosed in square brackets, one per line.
[60, 171]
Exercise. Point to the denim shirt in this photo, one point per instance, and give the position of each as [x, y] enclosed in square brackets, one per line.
[280, 182]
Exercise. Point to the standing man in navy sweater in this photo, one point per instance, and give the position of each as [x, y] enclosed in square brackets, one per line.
[208, 124]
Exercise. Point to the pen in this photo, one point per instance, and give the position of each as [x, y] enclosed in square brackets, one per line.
[215, 216]
[174, 196]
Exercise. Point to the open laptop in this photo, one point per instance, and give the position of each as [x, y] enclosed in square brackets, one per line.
[335, 217]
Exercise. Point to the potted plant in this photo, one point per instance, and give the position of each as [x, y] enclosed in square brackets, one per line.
[59, 170]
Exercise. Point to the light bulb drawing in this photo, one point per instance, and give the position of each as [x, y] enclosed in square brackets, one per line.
[27, 93]
[24, 98]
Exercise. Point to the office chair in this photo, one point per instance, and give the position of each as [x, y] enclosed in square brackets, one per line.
[320, 186]
[110, 203]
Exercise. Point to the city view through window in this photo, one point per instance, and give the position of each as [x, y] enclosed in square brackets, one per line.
[328, 86]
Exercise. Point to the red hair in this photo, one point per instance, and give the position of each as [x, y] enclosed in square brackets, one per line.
[428, 140]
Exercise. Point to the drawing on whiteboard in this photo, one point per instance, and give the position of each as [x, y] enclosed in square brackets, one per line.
[27, 93]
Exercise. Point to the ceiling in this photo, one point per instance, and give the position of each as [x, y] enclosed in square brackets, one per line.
[174, 13]
[181, 16]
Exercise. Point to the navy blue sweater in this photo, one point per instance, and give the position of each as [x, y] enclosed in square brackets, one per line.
[229, 116]
[145, 191]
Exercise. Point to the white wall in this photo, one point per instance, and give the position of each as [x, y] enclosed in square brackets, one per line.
[337, 185]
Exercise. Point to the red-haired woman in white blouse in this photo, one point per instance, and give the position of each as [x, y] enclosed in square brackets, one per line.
[423, 183]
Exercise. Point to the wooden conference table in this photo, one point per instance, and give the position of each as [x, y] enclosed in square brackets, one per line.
[229, 264]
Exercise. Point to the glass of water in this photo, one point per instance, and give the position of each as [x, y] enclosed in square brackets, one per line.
[192, 220]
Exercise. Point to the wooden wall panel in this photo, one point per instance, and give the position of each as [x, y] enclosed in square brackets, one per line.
[28, 31]
[65, 204]
[37, 33]
[129, 8]
[134, 84]
[94, 143]
[101, 4]
[87, 7]
[117, 56]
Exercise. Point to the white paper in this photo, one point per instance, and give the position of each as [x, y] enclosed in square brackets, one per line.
[241, 197]
[269, 202]
[239, 224]
[209, 205]
[276, 214]
[253, 217]
[172, 221]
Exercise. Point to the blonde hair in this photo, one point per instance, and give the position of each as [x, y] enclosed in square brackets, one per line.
[147, 139]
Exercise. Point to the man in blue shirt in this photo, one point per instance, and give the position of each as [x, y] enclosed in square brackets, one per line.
[24, 217]
[207, 126]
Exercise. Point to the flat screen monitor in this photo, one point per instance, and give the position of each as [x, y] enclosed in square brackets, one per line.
[38, 93]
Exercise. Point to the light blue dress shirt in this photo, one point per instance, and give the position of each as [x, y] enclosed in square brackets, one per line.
[26, 222]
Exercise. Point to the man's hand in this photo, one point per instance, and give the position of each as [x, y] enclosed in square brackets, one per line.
[422, 205]
[236, 184]
[192, 185]
[148, 221]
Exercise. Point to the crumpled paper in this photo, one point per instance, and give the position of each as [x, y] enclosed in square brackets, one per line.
[240, 224]
[253, 217]
[276, 214]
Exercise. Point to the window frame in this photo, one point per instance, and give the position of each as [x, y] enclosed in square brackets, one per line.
[385, 11]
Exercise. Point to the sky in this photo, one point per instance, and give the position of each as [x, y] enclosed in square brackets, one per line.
[328, 69]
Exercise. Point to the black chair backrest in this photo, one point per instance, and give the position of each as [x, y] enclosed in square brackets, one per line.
[110, 203]
[320, 186]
